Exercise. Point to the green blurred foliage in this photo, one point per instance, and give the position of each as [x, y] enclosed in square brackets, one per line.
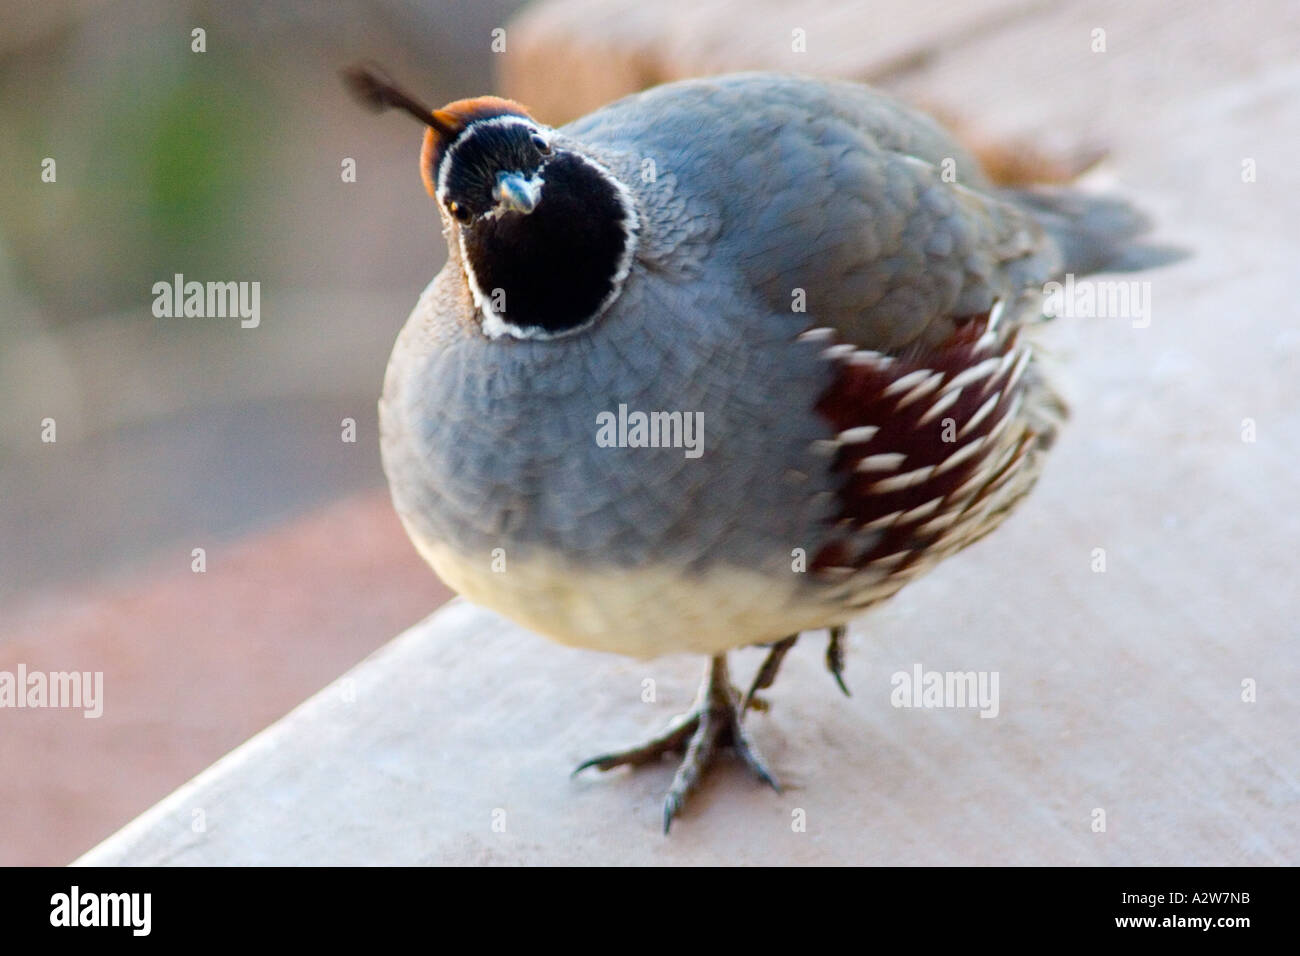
[191, 172]
[163, 171]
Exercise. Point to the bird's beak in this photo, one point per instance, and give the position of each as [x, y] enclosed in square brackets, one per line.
[514, 193]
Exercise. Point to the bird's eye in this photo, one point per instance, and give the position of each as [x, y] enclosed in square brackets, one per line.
[542, 145]
[459, 211]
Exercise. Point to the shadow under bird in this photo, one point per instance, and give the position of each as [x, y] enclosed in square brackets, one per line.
[781, 259]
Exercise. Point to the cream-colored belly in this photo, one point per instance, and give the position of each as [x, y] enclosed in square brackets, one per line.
[643, 612]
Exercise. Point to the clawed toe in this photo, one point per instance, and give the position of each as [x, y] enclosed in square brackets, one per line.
[674, 740]
[713, 725]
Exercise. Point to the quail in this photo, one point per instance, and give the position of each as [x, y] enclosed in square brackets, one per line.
[813, 275]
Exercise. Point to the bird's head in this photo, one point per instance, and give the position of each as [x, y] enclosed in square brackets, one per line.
[546, 233]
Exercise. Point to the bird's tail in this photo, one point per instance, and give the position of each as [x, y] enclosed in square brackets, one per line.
[1093, 233]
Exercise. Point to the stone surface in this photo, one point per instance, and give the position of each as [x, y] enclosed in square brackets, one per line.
[465, 723]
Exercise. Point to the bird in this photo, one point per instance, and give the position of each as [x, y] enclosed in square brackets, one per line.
[724, 362]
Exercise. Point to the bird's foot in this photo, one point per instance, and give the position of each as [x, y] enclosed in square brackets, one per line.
[712, 724]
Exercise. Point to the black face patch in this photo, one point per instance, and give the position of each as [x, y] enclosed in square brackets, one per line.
[552, 269]
[488, 148]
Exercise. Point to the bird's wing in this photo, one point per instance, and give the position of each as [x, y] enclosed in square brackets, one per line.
[829, 199]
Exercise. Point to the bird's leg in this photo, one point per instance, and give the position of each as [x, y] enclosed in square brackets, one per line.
[767, 673]
[772, 663]
[835, 656]
[713, 723]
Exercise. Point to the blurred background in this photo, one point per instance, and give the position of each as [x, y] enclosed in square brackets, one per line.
[176, 434]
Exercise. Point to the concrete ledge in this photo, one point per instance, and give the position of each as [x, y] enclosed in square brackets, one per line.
[465, 722]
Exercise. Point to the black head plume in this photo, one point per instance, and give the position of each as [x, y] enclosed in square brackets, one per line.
[373, 88]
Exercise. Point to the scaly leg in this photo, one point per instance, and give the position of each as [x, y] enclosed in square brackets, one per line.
[767, 673]
[772, 663]
[713, 723]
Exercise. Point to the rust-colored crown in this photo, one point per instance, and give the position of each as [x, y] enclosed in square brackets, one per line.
[450, 122]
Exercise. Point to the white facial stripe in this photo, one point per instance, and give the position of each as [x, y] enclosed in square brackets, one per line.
[465, 135]
[631, 229]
